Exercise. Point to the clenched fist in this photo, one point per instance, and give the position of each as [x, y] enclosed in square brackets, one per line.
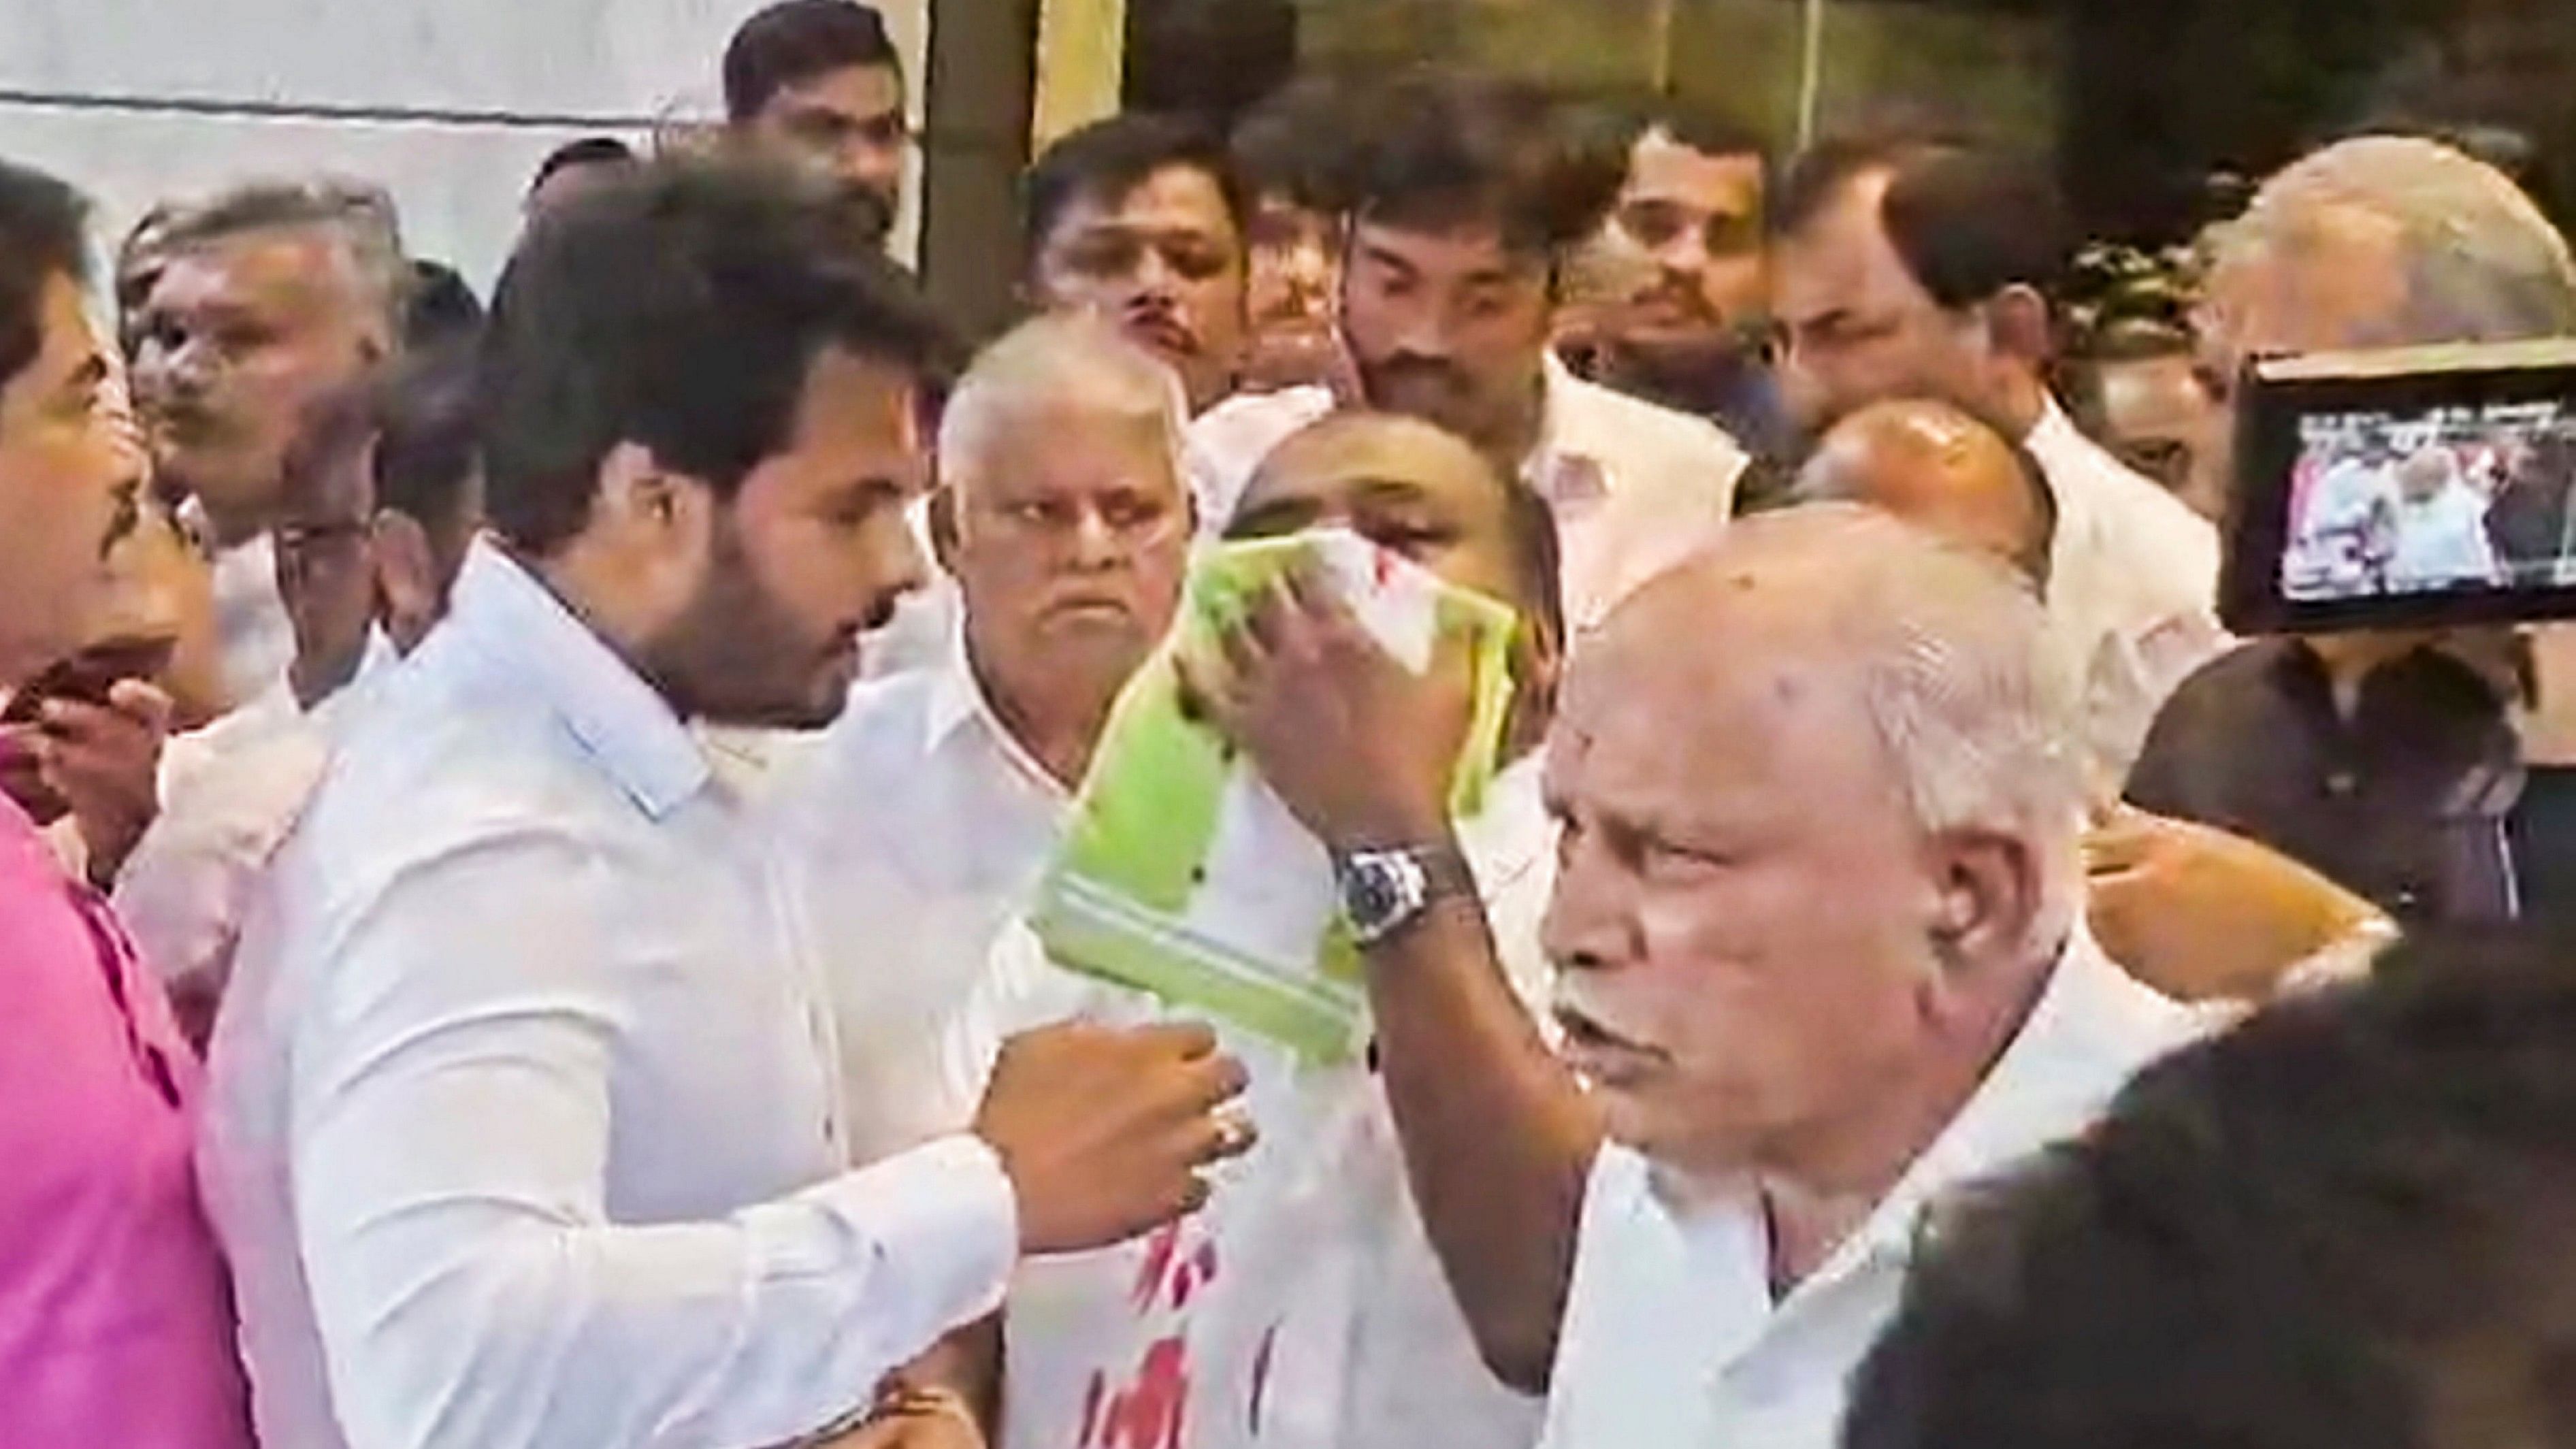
[1104, 1132]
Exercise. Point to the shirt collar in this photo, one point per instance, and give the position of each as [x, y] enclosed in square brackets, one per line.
[1568, 466]
[2093, 1026]
[957, 703]
[626, 726]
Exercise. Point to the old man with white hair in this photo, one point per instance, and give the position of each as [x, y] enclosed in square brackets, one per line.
[2388, 759]
[1821, 954]
[918, 824]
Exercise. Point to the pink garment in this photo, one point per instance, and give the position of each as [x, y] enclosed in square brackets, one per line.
[116, 1323]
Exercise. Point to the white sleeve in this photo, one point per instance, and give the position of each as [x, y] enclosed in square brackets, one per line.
[450, 1144]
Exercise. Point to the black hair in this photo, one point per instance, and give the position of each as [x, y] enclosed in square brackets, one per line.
[1297, 144]
[1967, 219]
[2333, 1228]
[1627, 117]
[440, 307]
[795, 41]
[588, 151]
[44, 234]
[426, 457]
[1444, 151]
[1106, 160]
[679, 307]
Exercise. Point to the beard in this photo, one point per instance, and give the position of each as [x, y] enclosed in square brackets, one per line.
[737, 656]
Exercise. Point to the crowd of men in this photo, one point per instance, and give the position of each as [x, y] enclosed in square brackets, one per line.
[521, 826]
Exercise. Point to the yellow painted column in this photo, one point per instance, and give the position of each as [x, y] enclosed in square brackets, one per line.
[1082, 52]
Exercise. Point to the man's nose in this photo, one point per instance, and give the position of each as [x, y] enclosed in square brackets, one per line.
[1095, 542]
[1588, 926]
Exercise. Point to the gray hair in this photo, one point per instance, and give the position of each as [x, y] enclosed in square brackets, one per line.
[1050, 361]
[2482, 263]
[361, 215]
[1966, 686]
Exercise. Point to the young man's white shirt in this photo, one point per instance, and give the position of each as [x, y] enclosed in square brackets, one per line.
[2133, 587]
[523, 1126]
[913, 831]
[1636, 488]
[1671, 1338]
[1304, 1309]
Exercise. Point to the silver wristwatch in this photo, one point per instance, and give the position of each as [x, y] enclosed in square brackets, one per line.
[1385, 890]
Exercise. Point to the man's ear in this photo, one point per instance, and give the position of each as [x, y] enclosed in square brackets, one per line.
[1986, 897]
[639, 501]
[2017, 319]
[942, 504]
[408, 598]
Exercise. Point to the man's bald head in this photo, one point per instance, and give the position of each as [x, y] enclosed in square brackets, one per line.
[1940, 468]
[1416, 490]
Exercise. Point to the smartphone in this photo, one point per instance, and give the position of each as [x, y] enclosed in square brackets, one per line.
[2405, 489]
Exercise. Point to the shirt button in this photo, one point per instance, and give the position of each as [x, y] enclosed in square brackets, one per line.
[2342, 784]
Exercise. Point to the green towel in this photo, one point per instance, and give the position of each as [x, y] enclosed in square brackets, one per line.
[1183, 876]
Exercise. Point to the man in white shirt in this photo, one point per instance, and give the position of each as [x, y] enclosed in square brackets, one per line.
[268, 298]
[1922, 269]
[382, 496]
[1305, 1307]
[1818, 919]
[533, 1139]
[2440, 531]
[923, 818]
[1467, 199]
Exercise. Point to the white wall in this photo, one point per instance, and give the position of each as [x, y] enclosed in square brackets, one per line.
[136, 100]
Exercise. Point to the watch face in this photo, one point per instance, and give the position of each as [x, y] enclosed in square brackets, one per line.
[1374, 894]
[1380, 891]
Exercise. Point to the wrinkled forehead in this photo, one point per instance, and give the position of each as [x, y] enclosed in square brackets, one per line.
[288, 272]
[1711, 683]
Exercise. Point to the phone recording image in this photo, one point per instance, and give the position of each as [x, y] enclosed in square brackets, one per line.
[2416, 488]
[2457, 498]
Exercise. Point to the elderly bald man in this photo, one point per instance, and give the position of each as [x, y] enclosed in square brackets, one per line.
[1941, 469]
[1821, 953]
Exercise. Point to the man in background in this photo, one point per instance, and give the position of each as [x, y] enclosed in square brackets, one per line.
[1924, 268]
[1291, 151]
[1304, 1308]
[1141, 219]
[115, 1325]
[383, 494]
[1682, 313]
[1468, 197]
[574, 167]
[267, 298]
[921, 820]
[819, 84]
[2386, 759]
